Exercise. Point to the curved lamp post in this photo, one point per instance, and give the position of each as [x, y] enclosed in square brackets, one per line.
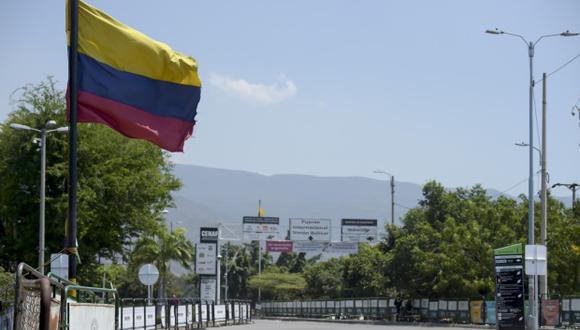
[533, 318]
[43, 133]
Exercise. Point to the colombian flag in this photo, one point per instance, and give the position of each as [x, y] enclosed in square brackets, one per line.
[136, 85]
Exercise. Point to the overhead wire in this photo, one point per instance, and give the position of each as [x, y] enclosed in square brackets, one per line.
[561, 67]
[514, 186]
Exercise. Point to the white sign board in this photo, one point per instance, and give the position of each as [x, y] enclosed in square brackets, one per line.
[142, 317]
[306, 229]
[220, 312]
[207, 289]
[205, 258]
[536, 260]
[91, 316]
[260, 228]
[309, 247]
[359, 230]
[343, 248]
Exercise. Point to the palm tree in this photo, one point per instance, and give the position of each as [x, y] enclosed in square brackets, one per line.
[237, 268]
[161, 248]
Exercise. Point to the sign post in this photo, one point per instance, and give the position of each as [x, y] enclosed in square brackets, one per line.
[306, 229]
[358, 230]
[206, 263]
[260, 229]
[148, 275]
[509, 287]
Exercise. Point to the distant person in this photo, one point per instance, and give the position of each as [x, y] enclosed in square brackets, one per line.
[398, 304]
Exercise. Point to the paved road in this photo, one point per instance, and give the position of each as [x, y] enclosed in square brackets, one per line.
[299, 325]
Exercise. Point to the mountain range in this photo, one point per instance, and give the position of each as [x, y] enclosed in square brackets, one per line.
[210, 196]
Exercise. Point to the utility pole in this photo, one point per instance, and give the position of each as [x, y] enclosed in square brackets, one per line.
[571, 186]
[260, 213]
[392, 200]
[392, 177]
[42, 200]
[544, 200]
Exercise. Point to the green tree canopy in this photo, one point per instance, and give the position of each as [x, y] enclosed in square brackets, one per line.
[278, 285]
[124, 184]
[161, 248]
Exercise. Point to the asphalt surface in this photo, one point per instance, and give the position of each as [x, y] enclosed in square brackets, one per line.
[299, 325]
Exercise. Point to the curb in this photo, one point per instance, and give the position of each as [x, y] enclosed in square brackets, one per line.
[382, 322]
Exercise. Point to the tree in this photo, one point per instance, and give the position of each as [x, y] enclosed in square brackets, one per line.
[365, 273]
[295, 262]
[124, 184]
[160, 249]
[325, 279]
[278, 285]
[238, 267]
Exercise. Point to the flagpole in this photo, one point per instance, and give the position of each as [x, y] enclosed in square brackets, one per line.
[72, 189]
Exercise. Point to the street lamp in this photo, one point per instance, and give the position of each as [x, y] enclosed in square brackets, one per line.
[531, 46]
[43, 132]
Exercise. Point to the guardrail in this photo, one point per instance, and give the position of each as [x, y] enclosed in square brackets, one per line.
[563, 312]
[181, 313]
[43, 302]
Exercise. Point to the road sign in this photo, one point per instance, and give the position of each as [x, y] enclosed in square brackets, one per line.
[307, 229]
[310, 247]
[148, 274]
[342, 248]
[260, 228]
[509, 287]
[205, 258]
[359, 230]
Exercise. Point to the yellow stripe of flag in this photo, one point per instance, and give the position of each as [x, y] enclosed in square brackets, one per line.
[111, 42]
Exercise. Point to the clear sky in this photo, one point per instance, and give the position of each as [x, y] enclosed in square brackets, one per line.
[341, 88]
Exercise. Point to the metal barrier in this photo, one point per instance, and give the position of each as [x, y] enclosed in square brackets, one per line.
[181, 313]
[378, 308]
[38, 302]
[570, 316]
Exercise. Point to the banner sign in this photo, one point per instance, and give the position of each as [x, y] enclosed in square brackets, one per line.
[475, 311]
[209, 234]
[90, 316]
[279, 246]
[509, 287]
[306, 229]
[260, 228]
[310, 247]
[550, 312]
[205, 258]
[343, 248]
[358, 230]
[490, 312]
[207, 288]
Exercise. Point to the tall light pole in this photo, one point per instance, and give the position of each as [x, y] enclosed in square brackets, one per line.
[392, 193]
[43, 132]
[533, 318]
[543, 198]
